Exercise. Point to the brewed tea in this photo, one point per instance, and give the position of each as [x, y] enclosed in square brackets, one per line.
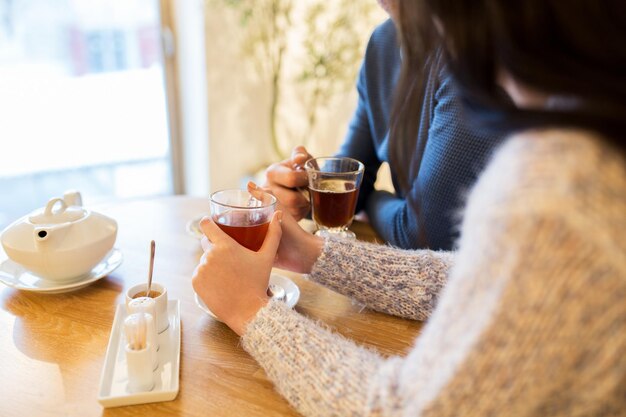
[334, 203]
[153, 294]
[243, 229]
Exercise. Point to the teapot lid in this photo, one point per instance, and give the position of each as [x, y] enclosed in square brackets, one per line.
[63, 214]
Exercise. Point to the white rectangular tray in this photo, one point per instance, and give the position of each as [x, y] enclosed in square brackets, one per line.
[114, 380]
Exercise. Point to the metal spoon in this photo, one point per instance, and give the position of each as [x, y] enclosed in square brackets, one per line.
[276, 292]
[152, 250]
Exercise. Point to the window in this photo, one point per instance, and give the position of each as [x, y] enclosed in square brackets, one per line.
[82, 102]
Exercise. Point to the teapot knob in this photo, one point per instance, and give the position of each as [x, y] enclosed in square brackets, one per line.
[73, 198]
[51, 203]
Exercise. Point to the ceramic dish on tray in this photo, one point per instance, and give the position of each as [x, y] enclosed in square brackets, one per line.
[292, 293]
[16, 276]
[113, 390]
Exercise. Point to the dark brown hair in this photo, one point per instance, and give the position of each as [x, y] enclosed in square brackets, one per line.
[418, 40]
[574, 50]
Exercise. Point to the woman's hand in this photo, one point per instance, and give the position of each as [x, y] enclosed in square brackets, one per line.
[298, 249]
[231, 279]
[283, 179]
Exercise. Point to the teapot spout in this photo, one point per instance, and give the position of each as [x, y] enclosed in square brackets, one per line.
[41, 234]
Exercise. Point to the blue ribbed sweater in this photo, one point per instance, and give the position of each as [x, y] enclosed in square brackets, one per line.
[454, 154]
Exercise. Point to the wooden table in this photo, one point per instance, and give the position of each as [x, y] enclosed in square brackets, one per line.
[52, 347]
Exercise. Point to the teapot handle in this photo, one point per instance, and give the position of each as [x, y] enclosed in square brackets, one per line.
[51, 203]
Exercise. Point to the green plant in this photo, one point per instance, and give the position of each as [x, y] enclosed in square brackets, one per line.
[334, 48]
[333, 41]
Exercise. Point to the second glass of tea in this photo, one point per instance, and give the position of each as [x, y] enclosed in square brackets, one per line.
[334, 184]
[242, 216]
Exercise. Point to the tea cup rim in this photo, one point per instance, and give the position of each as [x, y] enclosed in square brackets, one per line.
[263, 206]
[309, 168]
[135, 289]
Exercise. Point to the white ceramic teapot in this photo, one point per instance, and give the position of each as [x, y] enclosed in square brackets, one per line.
[62, 241]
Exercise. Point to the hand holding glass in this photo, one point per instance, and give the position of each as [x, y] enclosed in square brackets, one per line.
[242, 216]
[246, 219]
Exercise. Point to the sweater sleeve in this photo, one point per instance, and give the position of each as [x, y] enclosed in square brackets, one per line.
[320, 373]
[523, 328]
[454, 152]
[394, 216]
[398, 282]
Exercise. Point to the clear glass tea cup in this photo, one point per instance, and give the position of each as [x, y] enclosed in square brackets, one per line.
[243, 216]
[334, 184]
[246, 219]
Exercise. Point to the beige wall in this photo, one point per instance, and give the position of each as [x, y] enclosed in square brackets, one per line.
[239, 141]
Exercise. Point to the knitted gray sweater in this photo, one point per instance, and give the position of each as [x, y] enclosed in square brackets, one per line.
[526, 318]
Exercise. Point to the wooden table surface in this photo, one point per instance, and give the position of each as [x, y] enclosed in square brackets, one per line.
[52, 347]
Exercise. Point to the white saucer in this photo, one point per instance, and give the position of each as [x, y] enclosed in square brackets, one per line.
[193, 226]
[292, 293]
[16, 276]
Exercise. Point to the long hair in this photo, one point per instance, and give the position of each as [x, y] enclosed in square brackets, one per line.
[418, 39]
[572, 50]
